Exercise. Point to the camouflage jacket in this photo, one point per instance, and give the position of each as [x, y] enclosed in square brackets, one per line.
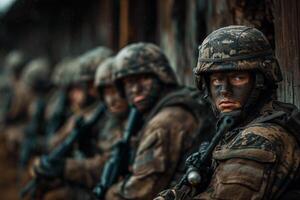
[86, 172]
[170, 131]
[257, 161]
[68, 126]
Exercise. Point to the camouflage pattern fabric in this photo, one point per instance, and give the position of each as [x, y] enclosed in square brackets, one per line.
[89, 62]
[172, 131]
[104, 73]
[237, 48]
[257, 163]
[162, 143]
[36, 73]
[144, 58]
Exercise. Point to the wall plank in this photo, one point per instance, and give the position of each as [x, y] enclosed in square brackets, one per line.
[287, 41]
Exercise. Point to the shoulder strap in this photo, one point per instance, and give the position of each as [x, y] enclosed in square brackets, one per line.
[286, 115]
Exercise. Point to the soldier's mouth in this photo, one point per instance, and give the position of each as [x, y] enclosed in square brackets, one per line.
[228, 105]
[116, 108]
[138, 99]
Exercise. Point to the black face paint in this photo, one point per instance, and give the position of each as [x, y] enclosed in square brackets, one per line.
[115, 103]
[230, 90]
[142, 91]
[84, 96]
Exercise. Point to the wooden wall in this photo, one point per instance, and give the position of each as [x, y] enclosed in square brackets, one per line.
[177, 26]
[287, 38]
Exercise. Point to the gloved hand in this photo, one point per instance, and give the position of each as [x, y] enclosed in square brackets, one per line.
[184, 193]
[49, 170]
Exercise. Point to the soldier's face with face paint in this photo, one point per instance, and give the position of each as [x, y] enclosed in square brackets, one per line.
[142, 91]
[113, 100]
[230, 90]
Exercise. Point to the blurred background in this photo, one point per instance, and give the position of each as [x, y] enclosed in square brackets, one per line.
[57, 29]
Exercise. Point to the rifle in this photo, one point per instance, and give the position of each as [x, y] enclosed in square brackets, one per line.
[31, 132]
[64, 148]
[117, 165]
[59, 114]
[197, 162]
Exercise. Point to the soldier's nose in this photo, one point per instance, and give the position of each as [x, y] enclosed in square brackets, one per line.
[225, 89]
[135, 88]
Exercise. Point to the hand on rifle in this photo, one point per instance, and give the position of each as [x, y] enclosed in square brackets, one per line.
[43, 168]
[195, 179]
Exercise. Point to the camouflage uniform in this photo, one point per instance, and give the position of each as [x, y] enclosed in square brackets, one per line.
[259, 158]
[13, 118]
[79, 70]
[36, 78]
[81, 173]
[170, 129]
[14, 101]
[58, 108]
[87, 171]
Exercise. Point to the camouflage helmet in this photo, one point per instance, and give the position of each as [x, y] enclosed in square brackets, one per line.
[237, 48]
[89, 62]
[64, 73]
[36, 74]
[15, 62]
[144, 58]
[104, 73]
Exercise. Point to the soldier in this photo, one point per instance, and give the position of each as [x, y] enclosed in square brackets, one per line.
[79, 168]
[85, 172]
[145, 77]
[36, 78]
[259, 157]
[58, 108]
[14, 101]
[13, 118]
[81, 93]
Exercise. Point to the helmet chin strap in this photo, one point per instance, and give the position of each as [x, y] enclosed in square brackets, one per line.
[253, 103]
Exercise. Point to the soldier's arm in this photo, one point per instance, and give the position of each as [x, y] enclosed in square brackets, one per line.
[86, 171]
[62, 133]
[157, 156]
[258, 164]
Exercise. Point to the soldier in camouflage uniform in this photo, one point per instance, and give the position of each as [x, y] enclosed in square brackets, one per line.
[14, 101]
[259, 157]
[81, 168]
[85, 172]
[59, 108]
[79, 81]
[13, 118]
[36, 78]
[172, 121]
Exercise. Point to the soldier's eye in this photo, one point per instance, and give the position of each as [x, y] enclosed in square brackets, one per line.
[215, 80]
[239, 79]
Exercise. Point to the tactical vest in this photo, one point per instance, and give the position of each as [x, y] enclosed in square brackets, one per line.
[287, 116]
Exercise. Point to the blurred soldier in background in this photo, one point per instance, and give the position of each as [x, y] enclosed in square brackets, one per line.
[83, 174]
[36, 78]
[173, 117]
[81, 93]
[259, 157]
[77, 171]
[14, 105]
[58, 108]
[14, 101]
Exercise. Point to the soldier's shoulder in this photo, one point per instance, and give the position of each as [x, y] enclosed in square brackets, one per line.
[265, 136]
[172, 115]
[269, 131]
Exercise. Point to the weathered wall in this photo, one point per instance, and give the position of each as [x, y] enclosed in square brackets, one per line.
[287, 39]
[181, 29]
[177, 26]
